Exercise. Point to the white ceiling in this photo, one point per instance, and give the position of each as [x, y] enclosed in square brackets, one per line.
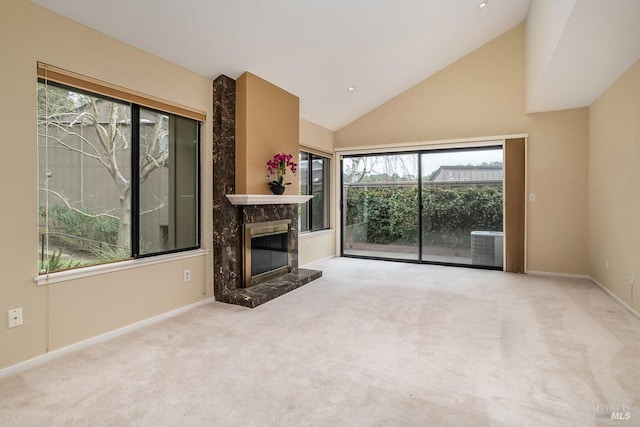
[577, 48]
[317, 49]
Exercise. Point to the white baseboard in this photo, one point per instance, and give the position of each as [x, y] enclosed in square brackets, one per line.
[558, 275]
[580, 276]
[38, 360]
[616, 298]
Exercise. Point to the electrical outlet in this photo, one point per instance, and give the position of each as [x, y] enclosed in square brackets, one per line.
[186, 275]
[632, 279]
[532, 197]
[15, 317]
[606, 264]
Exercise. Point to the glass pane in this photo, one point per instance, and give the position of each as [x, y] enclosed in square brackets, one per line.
[318, 191]
[168, 182]
[462, 207]
[303, 218]
[84, 150]
[381, 206]
[326, 194]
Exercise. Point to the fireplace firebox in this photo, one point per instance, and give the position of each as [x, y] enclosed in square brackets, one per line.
[266, 251]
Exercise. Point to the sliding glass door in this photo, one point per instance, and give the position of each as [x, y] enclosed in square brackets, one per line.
[462, 207]
[380, 206]
[441, 206]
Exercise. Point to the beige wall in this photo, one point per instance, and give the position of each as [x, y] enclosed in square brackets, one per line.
[315, 246]
[614, 187]
[483, 94]
[63, 313]
[480, 94]
[557, 174]
[266, 124]
[316, 137]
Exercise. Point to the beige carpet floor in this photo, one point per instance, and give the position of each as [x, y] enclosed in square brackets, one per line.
[370, 344]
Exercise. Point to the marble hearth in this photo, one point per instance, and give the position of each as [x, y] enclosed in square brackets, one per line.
[266, 291]
[231, 211]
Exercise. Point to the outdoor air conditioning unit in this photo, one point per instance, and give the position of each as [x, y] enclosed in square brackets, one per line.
[487, 248]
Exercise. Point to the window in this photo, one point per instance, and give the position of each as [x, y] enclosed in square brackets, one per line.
[117, 180]
[315, 172]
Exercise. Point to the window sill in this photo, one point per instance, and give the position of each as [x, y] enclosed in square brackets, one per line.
[94, 270]
[304, 234]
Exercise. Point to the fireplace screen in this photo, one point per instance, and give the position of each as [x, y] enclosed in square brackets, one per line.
[266, 251]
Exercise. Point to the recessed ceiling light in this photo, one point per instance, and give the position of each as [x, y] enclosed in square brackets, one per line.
[484, 4]
[351, 88]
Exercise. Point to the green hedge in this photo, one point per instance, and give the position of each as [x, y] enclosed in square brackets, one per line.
[450, 213]
[72, 221]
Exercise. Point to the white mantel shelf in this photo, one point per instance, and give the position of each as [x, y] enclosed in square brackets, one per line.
[266, 199]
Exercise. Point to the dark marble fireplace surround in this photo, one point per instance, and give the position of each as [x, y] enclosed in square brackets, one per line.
[228, 219]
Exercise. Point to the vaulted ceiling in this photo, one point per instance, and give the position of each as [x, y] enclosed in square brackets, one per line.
[318, 49]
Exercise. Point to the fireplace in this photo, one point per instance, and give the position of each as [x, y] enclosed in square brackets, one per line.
[266, 251]
[232, 211]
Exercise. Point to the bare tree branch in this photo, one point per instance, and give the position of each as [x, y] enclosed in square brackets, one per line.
[66, 202]
[68, 132]
[107, 140]
[154, 209]
[153, 164]
[77, 150]
[100, 130]
[154, 157]
[366, 171]
[80, 117]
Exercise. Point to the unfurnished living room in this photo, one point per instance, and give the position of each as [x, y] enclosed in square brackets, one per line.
[320, 213]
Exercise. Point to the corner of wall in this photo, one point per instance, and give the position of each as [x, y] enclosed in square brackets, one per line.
[241, 134]
[614, 199]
